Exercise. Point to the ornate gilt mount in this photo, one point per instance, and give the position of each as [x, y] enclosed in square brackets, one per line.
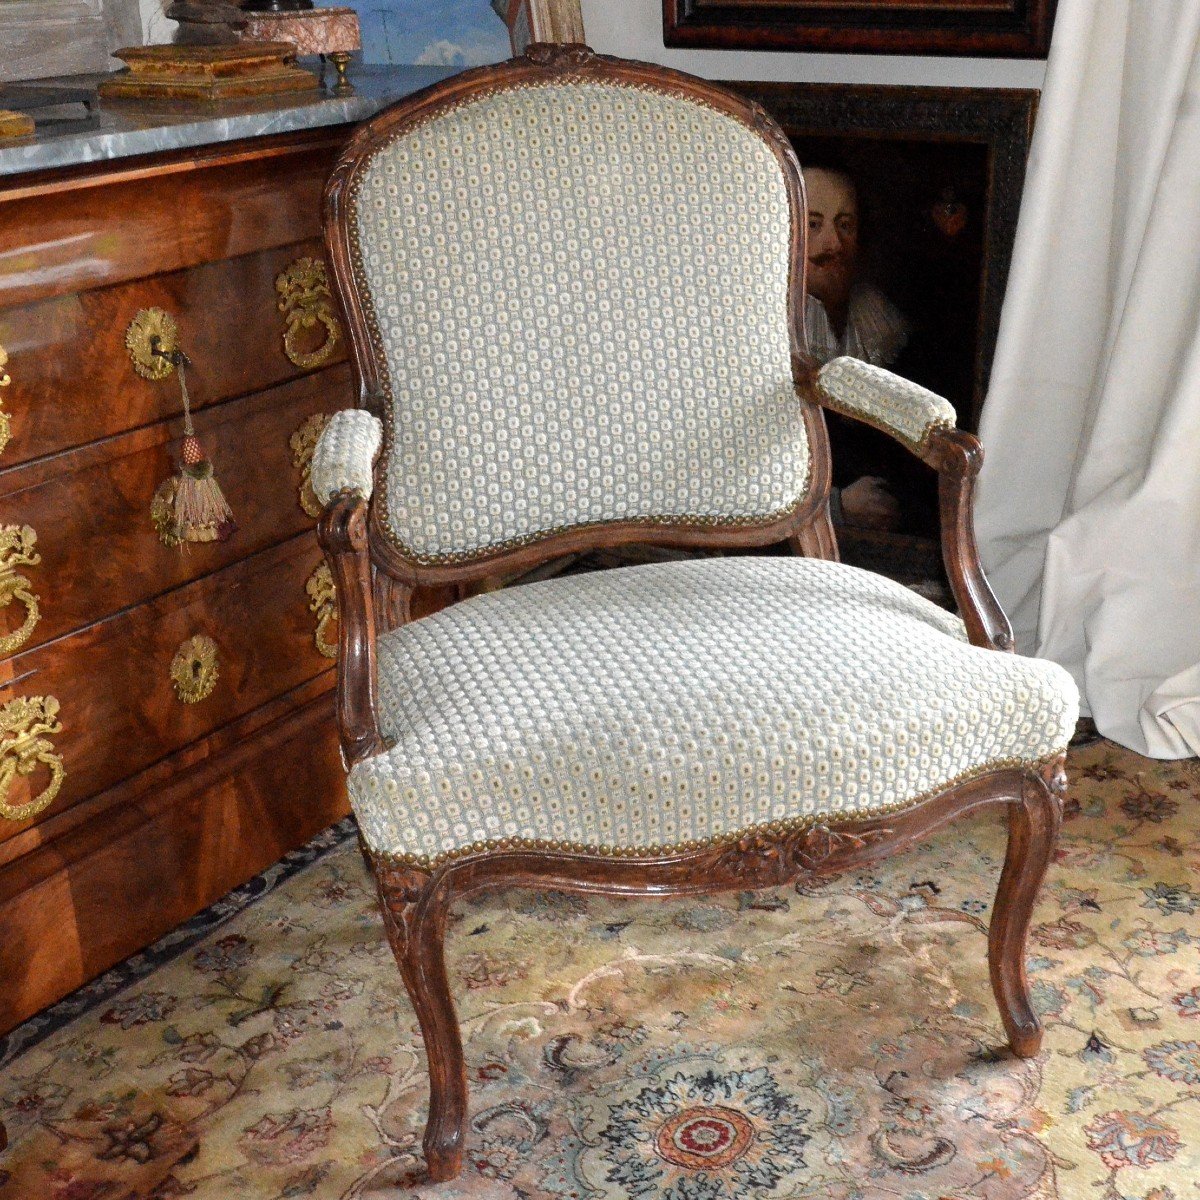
[5, 422]
[162, 513]
[306, 302]
[323, 601]
[26, 725]
[17, 550]
[194, 669]
[304, 443]
[151, 339]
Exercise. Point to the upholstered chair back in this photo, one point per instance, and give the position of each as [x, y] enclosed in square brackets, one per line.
[576, 307]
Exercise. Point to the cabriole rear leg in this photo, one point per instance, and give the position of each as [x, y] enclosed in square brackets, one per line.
[1033, 824]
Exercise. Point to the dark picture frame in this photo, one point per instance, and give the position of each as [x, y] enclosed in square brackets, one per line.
[998, 28]
[980, 134]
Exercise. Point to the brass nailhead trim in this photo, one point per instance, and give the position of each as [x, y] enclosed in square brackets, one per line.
[428, 862]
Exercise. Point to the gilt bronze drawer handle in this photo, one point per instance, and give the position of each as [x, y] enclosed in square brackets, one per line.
[323, 602]
[25, 726]
[5, 380]
[17, 550]
[306, 301]
[304, 443]
[194, 669]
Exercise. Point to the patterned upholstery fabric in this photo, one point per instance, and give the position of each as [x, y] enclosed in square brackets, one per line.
[904, 409]
[345, 453]
[579, 296]
[673, 704]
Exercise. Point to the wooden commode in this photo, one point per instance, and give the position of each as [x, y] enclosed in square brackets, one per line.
[166, 725]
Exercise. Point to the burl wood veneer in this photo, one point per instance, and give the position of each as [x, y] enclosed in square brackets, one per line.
[162, 804]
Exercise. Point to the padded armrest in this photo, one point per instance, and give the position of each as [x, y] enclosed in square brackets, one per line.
[345, 453]
[903, 409]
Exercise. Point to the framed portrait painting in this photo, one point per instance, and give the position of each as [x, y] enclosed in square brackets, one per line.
[1000, 28]
[913, 197]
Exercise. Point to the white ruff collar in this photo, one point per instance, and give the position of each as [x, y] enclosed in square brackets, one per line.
[876, 330]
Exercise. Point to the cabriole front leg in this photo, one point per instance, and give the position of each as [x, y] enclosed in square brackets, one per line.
[1033, 823]
[415, 909]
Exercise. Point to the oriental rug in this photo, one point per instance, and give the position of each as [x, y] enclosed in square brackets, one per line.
[836, 1042]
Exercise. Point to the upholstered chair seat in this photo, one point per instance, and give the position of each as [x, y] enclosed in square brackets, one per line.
[665, 707]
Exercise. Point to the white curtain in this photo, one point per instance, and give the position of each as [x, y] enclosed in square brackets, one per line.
[1089, 513]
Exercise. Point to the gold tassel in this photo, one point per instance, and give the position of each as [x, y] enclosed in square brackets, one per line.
[201, 513]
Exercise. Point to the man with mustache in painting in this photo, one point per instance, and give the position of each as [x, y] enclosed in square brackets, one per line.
[846, 314]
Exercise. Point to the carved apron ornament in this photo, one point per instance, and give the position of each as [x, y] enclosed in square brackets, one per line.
[306, 302]
[762, 859]
[25, 724]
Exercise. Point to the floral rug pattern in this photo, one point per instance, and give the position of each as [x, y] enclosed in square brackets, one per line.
[837, 1042]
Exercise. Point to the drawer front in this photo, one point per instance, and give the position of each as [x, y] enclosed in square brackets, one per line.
[72, 378]
[70, 910]
[92, 508]
[60, 235]
[82, 713]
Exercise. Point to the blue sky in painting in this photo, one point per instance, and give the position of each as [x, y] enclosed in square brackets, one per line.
[462, 33]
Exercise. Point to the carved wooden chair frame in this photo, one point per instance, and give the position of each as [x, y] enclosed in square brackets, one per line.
[375, 582]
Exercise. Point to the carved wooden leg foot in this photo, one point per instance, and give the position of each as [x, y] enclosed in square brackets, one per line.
[415, 914]
[1033, 824]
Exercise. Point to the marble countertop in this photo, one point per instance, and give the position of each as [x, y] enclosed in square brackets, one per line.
[119, 129]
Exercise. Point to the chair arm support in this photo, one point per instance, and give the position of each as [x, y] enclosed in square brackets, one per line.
[957, 457]
[345, 453]
[924, 422]
[342, 532]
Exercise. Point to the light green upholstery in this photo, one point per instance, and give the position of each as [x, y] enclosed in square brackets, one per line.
[674, 704]
[875, 395]
[577, 294]
[579, 299]
[345, 454]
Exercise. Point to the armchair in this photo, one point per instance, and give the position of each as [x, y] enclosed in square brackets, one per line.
[574, 292]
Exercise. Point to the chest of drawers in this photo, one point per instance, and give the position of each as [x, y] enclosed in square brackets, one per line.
[166, 720]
